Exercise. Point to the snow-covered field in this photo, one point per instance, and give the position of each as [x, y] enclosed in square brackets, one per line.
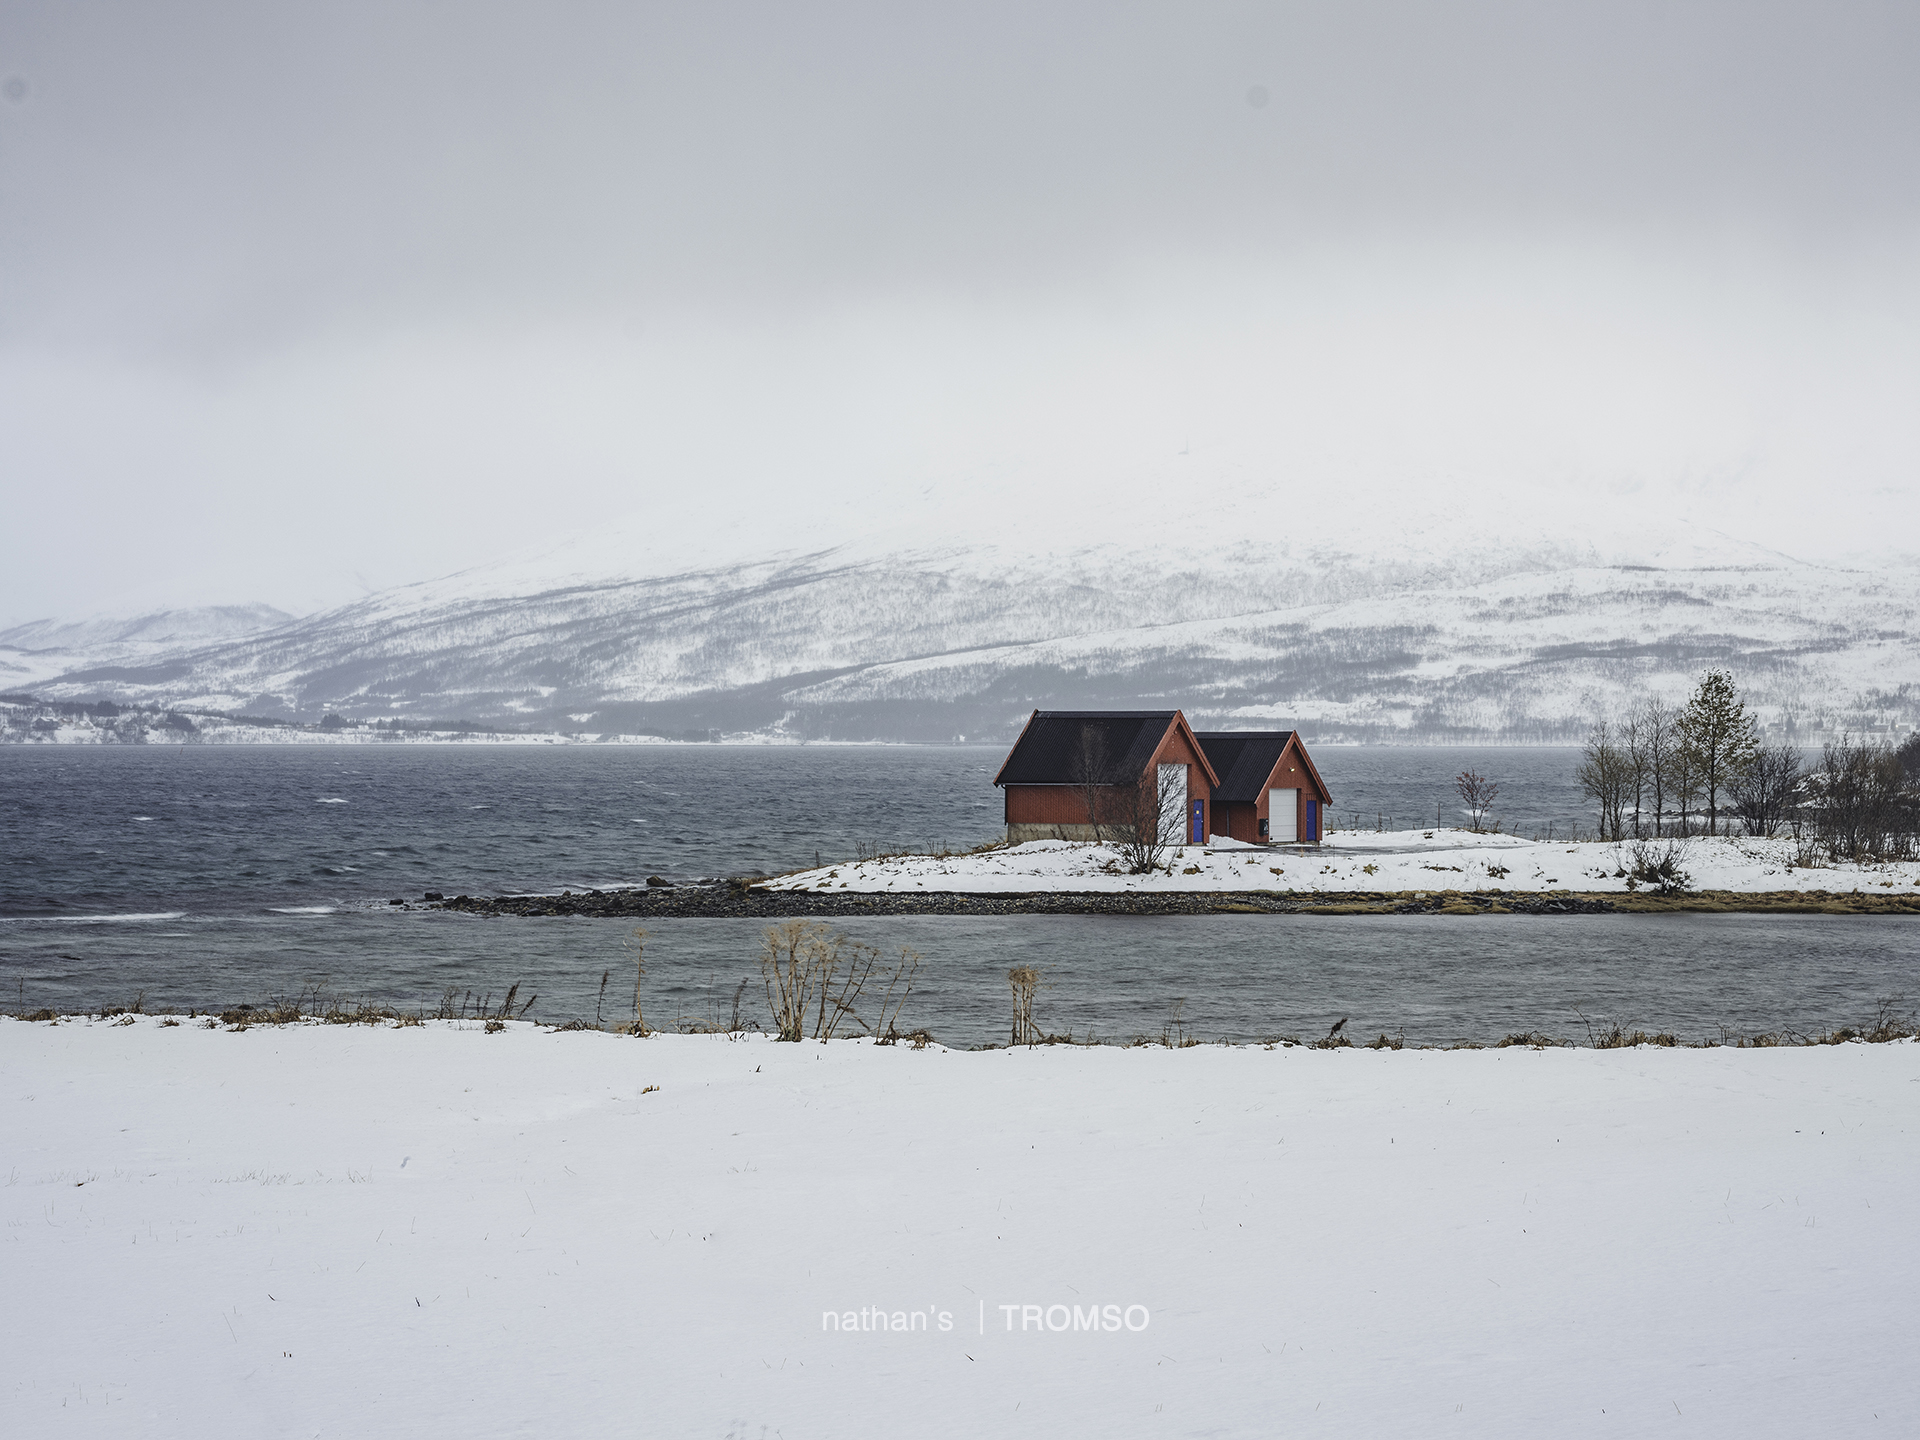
[436, 1231]
[1397, 860]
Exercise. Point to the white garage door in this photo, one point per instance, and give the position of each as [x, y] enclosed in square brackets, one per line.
[1283, 815]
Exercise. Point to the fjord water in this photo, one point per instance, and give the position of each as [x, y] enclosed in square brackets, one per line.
[205, 875]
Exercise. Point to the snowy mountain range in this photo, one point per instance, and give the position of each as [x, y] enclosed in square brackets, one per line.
[1457, 634]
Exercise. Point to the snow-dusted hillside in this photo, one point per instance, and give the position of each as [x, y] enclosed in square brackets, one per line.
[39, 649]
[1454, 634]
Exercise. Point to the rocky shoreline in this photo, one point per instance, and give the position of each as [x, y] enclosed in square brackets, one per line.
[735, 900]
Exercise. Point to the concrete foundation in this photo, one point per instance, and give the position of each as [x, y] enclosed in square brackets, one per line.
[1020, 834]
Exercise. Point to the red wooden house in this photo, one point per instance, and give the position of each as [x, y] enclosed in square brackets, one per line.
[1268, 788]
[1071, 769]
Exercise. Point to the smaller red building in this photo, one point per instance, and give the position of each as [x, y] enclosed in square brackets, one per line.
[1268, 790]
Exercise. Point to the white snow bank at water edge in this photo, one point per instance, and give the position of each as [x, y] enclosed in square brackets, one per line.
[1389, 861]
[434, 1231]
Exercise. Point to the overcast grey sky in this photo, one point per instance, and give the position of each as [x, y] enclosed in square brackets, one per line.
[299, 300]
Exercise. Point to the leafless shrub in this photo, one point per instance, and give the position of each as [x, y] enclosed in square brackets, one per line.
[1657, 863]
[1615, 1036]
[1147, 818]
[1173, 1034]
[886, 1024]
[1807, 854]
[468, 1007]
[789, 964]
[1892, 1022]
[1893, 1019]
[1478, 792]
[816, 976]
[1761, 1040]
[274, 1012]
[1612, 1035]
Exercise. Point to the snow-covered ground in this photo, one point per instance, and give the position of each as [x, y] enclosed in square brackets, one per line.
[1395, 860]
[333, 1230]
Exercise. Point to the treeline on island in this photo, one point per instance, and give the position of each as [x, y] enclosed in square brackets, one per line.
[1701, 769]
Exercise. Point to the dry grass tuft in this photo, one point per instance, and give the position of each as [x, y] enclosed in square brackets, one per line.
[1024, 980]
[815, 976]
[1618, 1038]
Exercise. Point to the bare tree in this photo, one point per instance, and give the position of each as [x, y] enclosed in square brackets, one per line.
[1656, 734]
[1633, 742]
[1137, 816]
[1720, 737]
[1767, 790]
[1479, 793]
[1606, 776]
[1088, 769]
[1862, 805]
[1684, 785]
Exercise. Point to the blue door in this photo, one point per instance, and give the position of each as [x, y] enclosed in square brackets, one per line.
[1312, 828]
[1197, 827]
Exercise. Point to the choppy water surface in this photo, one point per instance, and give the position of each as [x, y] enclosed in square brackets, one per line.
[204, 876]
[1432, 978]
[101, 829]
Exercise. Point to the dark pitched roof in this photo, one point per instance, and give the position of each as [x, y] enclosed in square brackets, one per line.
[1048, 750]
[1243, 759]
